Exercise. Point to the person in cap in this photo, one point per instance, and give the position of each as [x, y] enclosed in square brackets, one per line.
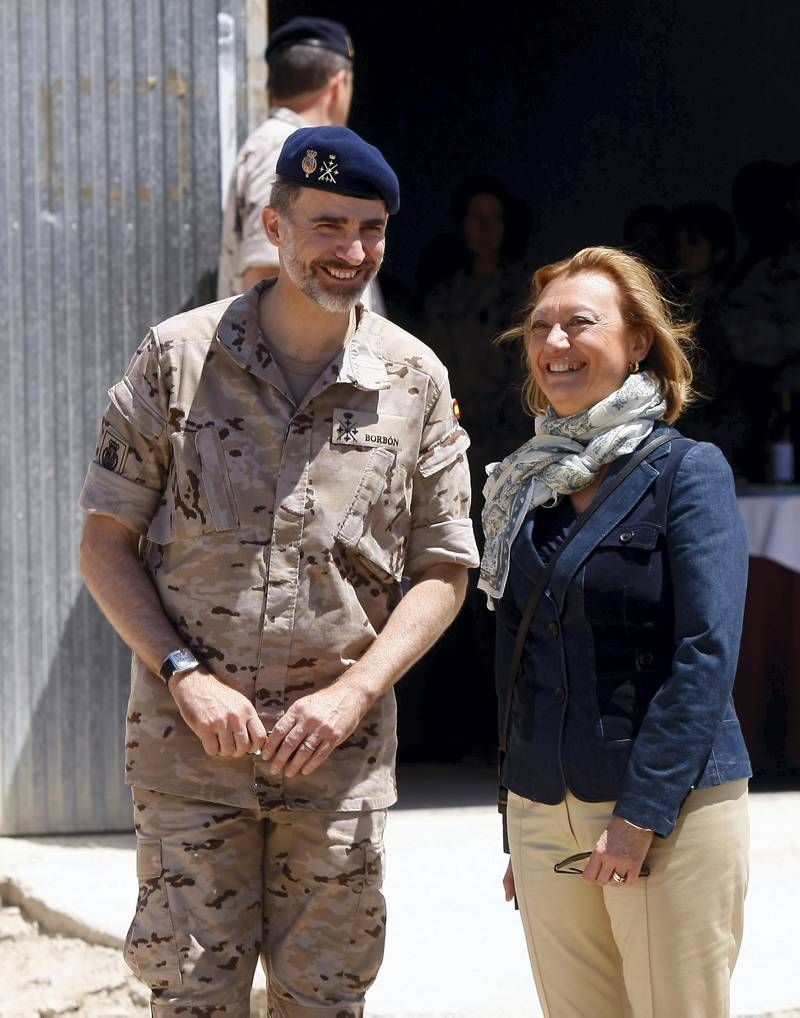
[269, 470]
[310, 84]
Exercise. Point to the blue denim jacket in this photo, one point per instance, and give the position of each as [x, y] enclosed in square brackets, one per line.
[624, 690]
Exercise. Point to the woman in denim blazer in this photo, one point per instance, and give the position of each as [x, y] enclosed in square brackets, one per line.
[622, 744]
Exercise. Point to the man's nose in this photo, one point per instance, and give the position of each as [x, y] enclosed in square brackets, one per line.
[352, 251]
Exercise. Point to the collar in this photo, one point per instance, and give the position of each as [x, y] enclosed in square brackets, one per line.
[287, 116]
[359, 363]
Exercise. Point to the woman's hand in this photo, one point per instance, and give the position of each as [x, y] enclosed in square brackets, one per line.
[508, 882]
[619, 853]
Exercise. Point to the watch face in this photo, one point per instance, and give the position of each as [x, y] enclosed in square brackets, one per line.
[178, 661]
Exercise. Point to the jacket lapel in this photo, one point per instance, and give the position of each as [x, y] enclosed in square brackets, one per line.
[612, 512]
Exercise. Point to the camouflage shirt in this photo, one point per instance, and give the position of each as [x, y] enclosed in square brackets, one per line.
[277, 535]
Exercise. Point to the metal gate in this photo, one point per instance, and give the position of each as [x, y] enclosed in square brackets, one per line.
[112, 117]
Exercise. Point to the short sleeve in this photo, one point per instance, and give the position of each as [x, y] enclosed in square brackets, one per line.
[255, 177]
[131, 461]
[441, 528]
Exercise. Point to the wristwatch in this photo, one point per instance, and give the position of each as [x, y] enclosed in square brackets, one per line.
[176, 661]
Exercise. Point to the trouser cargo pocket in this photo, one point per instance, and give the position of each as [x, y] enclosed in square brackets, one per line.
[150, 948]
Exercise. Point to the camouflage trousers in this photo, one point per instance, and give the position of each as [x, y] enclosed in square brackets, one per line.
[220, 886]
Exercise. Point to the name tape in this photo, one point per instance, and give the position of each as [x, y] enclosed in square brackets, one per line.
[358, 427]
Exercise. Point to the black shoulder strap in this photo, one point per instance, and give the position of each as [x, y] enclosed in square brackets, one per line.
[539, 589]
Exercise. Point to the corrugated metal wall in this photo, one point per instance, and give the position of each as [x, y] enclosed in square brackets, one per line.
[109, 218]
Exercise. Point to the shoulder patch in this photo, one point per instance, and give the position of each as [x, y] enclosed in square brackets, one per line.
[112, 451]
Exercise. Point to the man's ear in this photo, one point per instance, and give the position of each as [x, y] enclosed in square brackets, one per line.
[271, 221]
[337, 82]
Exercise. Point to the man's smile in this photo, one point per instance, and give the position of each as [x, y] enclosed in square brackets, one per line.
[339, 273]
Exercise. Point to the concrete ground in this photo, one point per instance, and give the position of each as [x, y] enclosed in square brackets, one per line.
[454, 948]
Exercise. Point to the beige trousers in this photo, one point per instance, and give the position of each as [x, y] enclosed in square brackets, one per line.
[664, 947]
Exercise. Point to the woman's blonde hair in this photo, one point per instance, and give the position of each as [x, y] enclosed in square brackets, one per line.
[644, 307]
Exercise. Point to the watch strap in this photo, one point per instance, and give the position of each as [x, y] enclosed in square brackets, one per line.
[181, 660]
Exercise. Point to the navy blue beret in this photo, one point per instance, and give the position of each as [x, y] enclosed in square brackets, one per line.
[336, 159]
[321, 32]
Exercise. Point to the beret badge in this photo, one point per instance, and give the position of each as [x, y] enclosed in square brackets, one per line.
[330, 170]
[309, 163]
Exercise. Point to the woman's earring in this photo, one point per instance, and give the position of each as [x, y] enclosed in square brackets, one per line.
[633, 367]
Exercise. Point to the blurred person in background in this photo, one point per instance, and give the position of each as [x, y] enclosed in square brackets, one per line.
[649, 233]
[464, 314]
[705, 244]
[761, 313]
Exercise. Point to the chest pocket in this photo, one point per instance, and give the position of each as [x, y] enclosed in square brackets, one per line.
[634, 536]
[199, 498]
[625, 577]
[377, 522]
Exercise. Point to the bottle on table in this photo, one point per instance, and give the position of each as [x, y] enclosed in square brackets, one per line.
[781, 448]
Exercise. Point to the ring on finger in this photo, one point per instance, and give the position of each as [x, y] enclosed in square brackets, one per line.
[618, 878]
[310, 746]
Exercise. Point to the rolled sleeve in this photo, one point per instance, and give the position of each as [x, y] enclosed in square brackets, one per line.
[441, 526]
[256, 251]
[255, 184]
[128, 474]
[109, 494]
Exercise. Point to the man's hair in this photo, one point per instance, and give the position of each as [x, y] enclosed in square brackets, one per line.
[283, 195]
[297, 70]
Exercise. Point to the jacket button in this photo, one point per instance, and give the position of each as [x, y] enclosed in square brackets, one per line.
[626, 536]
[644, 659]
[554, 630]
[560, 694]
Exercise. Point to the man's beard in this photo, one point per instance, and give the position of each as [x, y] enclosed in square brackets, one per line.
[339, 300]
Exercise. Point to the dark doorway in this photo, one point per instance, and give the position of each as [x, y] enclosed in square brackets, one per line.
[584, 110]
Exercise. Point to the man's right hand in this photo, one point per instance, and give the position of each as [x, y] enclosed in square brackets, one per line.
[224, 720]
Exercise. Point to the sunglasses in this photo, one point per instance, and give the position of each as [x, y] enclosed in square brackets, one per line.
[570, 865]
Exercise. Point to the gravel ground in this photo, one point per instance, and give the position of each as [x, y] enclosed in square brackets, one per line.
[44, 976]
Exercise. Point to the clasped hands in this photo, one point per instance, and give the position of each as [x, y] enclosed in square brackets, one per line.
[302, 739]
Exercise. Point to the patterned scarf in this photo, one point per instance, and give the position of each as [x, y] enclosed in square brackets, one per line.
[564, 455]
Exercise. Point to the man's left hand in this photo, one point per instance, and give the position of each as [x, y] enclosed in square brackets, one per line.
[313, 727]
[618, 855]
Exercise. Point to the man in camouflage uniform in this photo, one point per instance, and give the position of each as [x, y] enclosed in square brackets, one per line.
[268, 470]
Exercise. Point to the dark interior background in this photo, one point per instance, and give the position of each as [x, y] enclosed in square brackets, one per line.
[585, 110]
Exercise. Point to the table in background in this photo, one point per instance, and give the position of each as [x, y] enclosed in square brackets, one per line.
[767, 691]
